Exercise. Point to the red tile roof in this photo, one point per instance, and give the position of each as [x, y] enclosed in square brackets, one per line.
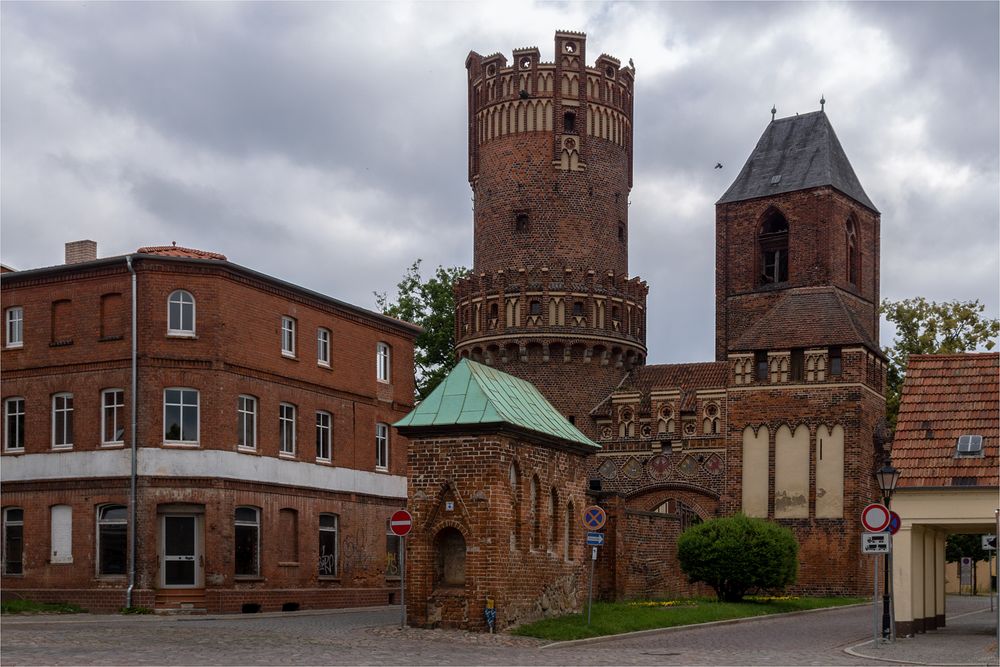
[806, 317]
[686, 377]
[945, 396]
[178, 251]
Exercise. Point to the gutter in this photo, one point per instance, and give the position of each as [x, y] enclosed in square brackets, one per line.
[132, 435]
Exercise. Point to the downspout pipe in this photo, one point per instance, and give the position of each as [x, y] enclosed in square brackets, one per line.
[134, 403]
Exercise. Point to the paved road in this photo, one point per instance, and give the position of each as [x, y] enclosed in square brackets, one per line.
[371, 637]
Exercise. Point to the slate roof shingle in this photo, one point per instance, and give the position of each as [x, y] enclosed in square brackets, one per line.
[945, 396]
[805, 153]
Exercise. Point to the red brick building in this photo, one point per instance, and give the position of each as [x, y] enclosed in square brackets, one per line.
[783, 424]
[250, 414]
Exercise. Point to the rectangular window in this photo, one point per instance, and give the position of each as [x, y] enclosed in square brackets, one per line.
[382, 359]
[286, 428]
[180, 416]
[13, 438]
[13, 540]
[760, 363]
[836, 367]
[112, 534]
[328, 525]
[393, 554]
[323, 347]
[246, 422]
[15, 326]
[247, 542]
[113, 416]
[324, 431]
[62, 421]
[798, 364]
[288, 336]
[61, 535]
[381, 446]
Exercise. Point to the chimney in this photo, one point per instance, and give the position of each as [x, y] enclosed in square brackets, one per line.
[81, 251]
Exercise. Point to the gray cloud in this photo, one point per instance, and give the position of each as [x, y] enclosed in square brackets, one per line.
[325, 143]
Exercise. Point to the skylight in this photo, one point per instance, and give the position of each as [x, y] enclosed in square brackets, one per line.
[969, 445]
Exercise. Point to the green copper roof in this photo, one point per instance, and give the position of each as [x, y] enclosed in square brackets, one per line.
[477, 394]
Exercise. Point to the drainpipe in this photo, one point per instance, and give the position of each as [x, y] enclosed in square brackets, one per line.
[135, 451]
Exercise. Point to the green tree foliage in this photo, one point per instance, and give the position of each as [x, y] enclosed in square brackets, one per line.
[431, 304]
[735, 555]
[957, 546]
[927, 327]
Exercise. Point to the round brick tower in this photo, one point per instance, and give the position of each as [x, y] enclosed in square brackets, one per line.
[550, 164]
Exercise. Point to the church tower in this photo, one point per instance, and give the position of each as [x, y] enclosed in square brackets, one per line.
[549, 298]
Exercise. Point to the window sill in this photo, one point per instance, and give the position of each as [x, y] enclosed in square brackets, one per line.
[14, 346]
[110, 577]
[14, 451]
[324, 462]
[62, 448]
[13, 576]
[112, 445]
[287, 455]
[288, 563]
[381, 381]
[61, 562]
[240, 578]
[182, 334]
[331, 578]
[289, 355]
[246, 450]
[181, 445]
[325, 365]
[378, 469]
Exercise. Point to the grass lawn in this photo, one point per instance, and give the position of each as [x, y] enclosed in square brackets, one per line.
[32, 607]
[612, 618]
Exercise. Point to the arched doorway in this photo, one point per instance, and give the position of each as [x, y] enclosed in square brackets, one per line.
[449, 558]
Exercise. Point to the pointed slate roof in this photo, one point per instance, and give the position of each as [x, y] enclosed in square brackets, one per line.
[801, 152]
[806, 317]
[474, 394]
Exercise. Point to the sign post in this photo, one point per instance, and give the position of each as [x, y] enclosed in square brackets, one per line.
[990, 544]
[400, 523]
[594, 519]
[877, 544]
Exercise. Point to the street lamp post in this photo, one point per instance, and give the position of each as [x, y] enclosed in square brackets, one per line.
[887, 477]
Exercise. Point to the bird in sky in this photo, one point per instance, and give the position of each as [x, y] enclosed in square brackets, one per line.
[718, 165]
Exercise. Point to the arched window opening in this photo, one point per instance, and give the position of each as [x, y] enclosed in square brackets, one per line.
[568, 534]
[515, 495]
[553, 521]
[773, 249]
[621, 233]
[853, 263]
[521, 221]
[688, 517]
[711, 419]
[180, 313]
[569, 123]
[449, 558]
[536, 518]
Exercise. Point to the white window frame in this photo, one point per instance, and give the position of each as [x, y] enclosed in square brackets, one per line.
[383, 362]
[117, 417]
[324, 436]
[286, 426]
[182, 405]
[61, 520]
[60, 406]
[14, 327]
[256, 525]
[323, 347]
[381, 446]
[246, 410]
[18, 425]
[335, 529]
[287, 336]
[180, 331]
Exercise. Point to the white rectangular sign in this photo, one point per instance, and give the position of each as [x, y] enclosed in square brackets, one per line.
[875, 543]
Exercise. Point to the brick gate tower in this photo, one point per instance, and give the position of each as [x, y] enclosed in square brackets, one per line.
[549, 298]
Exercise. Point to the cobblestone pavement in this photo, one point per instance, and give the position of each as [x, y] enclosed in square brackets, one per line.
[374, 637]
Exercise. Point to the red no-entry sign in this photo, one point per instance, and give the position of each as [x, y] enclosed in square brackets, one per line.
[401, 522]
[875, 518]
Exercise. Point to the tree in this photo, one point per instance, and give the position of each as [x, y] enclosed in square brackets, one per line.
[430, 304]
[927, 327]
[959, 545]
[737, 554]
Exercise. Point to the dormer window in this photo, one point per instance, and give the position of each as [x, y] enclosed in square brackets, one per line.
[969, 446]
[772, 242]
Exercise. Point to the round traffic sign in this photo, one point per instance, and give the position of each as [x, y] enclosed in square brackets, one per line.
[875, 518]
[894, 523]
[594, 518]
[401, 522]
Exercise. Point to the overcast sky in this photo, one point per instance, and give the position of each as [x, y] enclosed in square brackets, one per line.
[325, 143]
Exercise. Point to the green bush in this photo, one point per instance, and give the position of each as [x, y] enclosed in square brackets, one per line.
[737, 554]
